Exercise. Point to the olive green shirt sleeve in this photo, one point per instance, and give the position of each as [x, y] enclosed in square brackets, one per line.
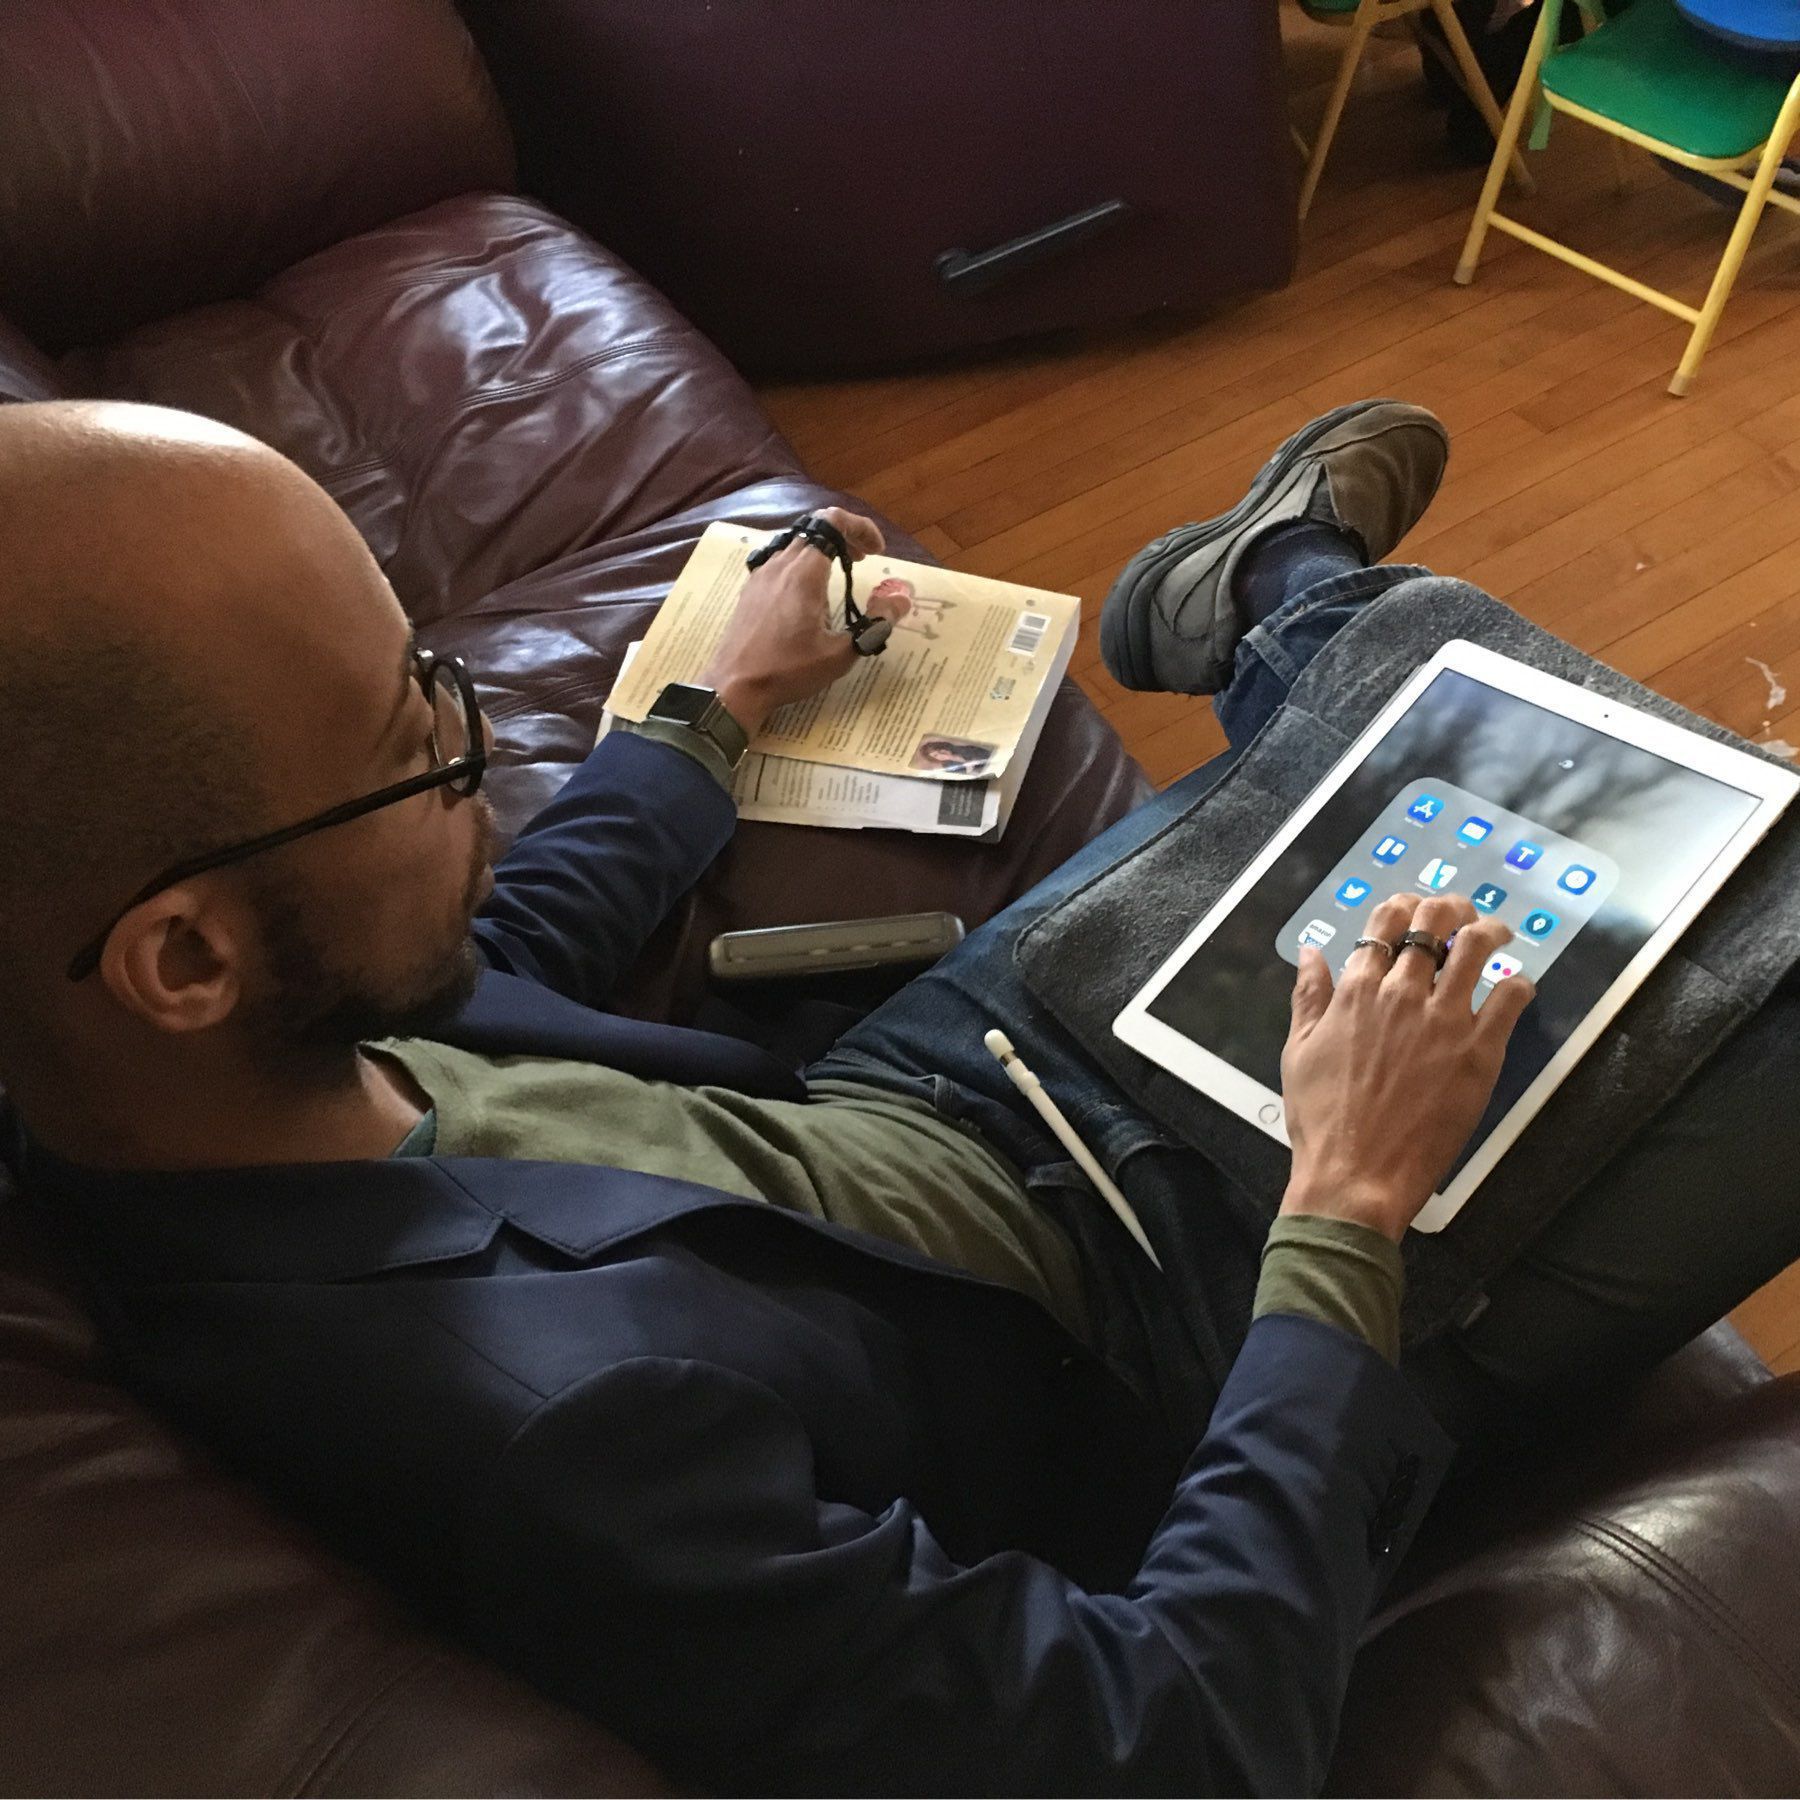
[1337, 1272]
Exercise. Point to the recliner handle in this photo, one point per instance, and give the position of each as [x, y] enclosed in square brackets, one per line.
[966, 274]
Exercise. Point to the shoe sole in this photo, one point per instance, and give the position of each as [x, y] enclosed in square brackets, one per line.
[1124, 623]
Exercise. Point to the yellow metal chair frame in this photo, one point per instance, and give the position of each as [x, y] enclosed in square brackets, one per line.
[1754, 172]
[1460, 60]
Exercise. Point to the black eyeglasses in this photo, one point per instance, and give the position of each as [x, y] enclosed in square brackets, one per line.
[458, 761]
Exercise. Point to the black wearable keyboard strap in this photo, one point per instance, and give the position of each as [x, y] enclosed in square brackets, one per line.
[870, 634]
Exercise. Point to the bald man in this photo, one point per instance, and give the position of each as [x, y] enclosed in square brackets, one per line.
[792, 1427]
[199, 648]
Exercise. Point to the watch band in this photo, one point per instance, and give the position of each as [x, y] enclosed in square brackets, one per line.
[701, 710]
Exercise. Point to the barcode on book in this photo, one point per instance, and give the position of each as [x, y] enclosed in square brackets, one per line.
[1028, 634]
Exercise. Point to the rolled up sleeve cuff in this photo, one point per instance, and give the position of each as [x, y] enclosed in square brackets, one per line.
[1338, 1273]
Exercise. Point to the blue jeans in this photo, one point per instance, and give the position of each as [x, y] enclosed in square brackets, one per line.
[1694, 1216]
[927, 1042]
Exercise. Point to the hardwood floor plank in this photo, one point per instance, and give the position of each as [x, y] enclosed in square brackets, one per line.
[1082, 417]
[1644, 621]
[1681, 650]
[938, 541]
[1770, 1318]
[1398, 325]
[1171, 752]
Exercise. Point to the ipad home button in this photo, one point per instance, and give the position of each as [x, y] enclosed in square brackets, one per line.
[1270, 1113]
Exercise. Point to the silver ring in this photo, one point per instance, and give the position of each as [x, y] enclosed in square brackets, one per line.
[1376, 944]
[1434, 947]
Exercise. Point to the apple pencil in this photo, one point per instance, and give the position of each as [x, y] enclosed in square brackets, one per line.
[1000, 1047]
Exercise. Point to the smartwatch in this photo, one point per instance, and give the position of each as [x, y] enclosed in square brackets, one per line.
[701, 710]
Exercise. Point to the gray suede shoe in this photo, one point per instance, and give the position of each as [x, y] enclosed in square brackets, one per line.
[1171, 623]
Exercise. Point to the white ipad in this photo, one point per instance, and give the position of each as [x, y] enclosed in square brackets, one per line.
[1594, 830]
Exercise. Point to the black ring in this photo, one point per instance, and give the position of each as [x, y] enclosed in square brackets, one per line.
[1434, 947]
[823, 535]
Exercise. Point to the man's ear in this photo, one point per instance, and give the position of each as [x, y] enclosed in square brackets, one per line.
[177, 960]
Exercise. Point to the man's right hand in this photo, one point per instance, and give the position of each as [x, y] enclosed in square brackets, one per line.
[780, 645]
[1385, 1076]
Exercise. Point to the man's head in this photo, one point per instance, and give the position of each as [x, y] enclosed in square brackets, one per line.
[196, 648]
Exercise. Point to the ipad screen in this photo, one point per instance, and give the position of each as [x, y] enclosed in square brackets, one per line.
[1582, 843]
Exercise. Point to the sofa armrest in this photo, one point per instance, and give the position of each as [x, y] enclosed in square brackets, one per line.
[167, 1633]
[25, 372]
[1644, 1638]
[452, 1725]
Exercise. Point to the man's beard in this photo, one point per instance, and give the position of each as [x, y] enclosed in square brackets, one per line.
[315, 1011]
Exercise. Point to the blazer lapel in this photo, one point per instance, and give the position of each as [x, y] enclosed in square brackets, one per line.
[328, 1222]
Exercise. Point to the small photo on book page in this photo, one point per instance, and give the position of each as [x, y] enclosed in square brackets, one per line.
[948, 700]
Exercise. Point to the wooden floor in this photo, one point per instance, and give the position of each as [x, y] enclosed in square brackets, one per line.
[1661, 534]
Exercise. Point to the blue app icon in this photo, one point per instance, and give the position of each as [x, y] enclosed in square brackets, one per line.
[1424, 809]
[1539, 924]
[1474, 830]
[1575, 879]
[1523, 855]
[1489, 897]
[1389, 850]
[1353, 893]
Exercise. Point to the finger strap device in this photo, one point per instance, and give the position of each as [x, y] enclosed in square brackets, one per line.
[781, 952]
[869, 635]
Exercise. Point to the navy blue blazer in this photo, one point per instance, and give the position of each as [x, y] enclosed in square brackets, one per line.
[786, 1506]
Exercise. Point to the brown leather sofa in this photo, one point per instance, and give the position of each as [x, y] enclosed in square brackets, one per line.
[297, 218]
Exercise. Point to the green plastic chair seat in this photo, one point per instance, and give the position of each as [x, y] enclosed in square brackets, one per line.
[1325, 9]
[1651, 71]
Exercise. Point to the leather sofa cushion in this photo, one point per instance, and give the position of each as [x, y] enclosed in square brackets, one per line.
[531, 439]
[161, 153]
[482, 388]
[1627, 1631]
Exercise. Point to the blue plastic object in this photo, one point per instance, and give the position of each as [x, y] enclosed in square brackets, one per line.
[1772, 25]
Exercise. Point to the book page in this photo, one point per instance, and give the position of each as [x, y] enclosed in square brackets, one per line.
[781, 791]
[787, 792]
[948, 700]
